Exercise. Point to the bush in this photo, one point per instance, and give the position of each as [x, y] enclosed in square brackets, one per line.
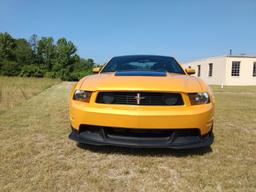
[50, 74]
[81, 74]
[69, 76]
[10, 68]
[75, 75]
[31, 71]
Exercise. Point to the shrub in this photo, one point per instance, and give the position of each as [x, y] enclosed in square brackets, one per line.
[81, 74]
[69, 76]
[66, 75]
[10, 68]
[31, 71]
[50, 74]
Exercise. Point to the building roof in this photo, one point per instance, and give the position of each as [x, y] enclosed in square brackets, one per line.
[242, 56]
[234, 56]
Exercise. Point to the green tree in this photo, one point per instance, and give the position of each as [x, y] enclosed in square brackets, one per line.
[82, 68]
[65, 57]
[65, 53]
[33, 41]
[46, 52]
[41, 57]
[7, 45]
[83, 65]
[23, 52]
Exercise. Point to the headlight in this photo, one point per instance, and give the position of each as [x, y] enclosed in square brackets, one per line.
[82, 95]
[198, 98]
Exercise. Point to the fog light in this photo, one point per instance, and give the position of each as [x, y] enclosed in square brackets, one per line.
[170, 100]
[108, 98]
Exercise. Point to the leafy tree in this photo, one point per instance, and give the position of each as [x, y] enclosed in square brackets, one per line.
[83, 65]
[40, 57]
[7, 44]
[46, 52]
[65, 53]
[33, 41]
[23, 52]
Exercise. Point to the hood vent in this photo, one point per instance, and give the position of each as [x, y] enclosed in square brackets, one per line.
[141, 73]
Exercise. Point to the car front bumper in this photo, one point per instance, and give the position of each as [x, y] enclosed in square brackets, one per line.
[175, 140]
[142, 117]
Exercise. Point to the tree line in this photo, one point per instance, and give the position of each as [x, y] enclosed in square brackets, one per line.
[42, 57]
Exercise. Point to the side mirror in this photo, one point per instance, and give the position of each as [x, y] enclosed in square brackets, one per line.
[190, 71]
[96, 69]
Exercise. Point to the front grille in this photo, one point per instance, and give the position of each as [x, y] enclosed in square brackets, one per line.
[140, 98]
[138, 133]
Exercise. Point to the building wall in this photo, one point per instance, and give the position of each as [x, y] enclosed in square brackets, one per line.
[222, 67]
[218, 72]
[246, 71]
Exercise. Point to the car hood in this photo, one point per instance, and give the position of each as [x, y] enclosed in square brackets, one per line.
[113, 82]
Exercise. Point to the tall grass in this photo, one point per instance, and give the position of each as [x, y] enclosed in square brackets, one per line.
[14, 90]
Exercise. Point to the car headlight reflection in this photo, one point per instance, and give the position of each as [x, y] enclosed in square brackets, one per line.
[81, 95]
[199, 98]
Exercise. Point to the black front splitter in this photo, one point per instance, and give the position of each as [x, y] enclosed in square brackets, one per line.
[175, 142]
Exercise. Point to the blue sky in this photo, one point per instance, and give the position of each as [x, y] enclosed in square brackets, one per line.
[101, 29]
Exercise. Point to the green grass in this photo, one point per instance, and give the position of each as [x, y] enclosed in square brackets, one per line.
[15, 90]
[235, 89]
[36, 154]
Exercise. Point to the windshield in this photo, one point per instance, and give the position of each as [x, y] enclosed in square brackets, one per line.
[143, 63]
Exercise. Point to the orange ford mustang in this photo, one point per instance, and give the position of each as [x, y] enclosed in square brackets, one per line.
[142, 101]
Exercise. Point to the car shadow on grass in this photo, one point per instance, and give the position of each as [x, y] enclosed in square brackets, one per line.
[145, 151]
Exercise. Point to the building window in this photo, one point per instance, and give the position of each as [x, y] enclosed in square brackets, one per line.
[210, 70]
[235, 71]
[254, 70]
[198, 70]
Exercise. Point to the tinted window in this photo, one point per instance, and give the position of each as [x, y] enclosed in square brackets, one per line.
[143, 63]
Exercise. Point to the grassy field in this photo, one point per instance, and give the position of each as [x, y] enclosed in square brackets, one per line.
[36, 155]
[15, 90]
[234, 89]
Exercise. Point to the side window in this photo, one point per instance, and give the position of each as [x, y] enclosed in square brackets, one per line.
[210, 69]
[235, 71]
[198, 70]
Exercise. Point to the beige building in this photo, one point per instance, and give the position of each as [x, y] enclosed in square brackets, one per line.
[226, 70]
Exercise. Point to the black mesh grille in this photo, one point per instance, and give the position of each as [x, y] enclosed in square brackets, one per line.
[140, 98]
[142, 133]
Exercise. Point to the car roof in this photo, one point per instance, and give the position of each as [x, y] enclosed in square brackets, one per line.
[160, 56]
